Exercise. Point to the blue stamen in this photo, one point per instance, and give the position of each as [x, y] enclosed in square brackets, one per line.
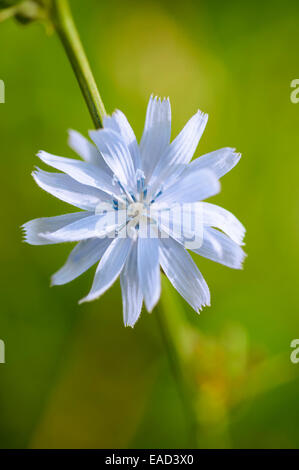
[140, 180]
[157, 195]
[121, 186]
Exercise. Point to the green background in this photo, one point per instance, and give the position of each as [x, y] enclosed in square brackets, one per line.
[74, 376]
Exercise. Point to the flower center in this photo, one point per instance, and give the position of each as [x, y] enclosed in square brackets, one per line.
[136, 209]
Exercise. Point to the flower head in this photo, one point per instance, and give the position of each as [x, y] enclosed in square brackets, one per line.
[140, 208]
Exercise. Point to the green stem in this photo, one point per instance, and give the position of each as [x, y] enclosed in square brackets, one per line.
[177, 372]
[175, 333]
[63, 22]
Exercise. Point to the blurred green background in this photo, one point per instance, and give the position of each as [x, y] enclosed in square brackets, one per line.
[74, 376]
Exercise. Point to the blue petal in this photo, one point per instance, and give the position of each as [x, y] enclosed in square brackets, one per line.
[109, 267]
[119, 123]
[35, 227]
[156, 134]
[69, 190]
[184, 274]
[148, 267]
[116, 154]
[131, 291]
[180, 151]
[85, 254]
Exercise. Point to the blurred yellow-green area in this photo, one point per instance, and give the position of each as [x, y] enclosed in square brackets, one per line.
[74, 376]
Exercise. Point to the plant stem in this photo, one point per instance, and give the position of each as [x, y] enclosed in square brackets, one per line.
[183, 390]
[166, 317]
[63, 22]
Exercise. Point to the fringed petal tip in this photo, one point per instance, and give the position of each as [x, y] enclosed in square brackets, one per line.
[156, 98]
[29, 235]
[241, 235]
[202, 115]
[198, 310]
[241, 260]
[206, 302]
[236, 155]
[24, 232]
[235, 158]
[36, 172]
[131, 323]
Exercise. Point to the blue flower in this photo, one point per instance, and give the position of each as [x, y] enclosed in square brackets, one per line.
[140, 208]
